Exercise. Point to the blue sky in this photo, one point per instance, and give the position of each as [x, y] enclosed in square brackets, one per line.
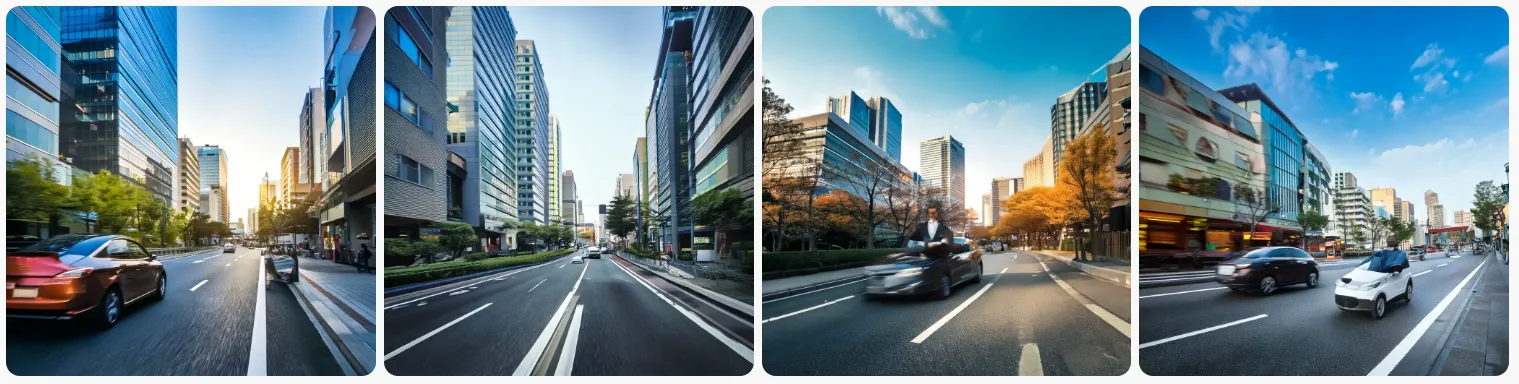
[986, 75]
[1411, 98]
[598, 65]
[243, 72]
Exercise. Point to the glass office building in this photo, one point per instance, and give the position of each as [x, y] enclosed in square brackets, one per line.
[125, 114]
[886, 126]
[481, 43]
[532, 100]
[1283, 146]
[32, 87]
[854, 110]
[722, 100]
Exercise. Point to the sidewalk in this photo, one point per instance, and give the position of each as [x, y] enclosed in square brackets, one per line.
[1479, 344]
[732, 294]
[1117, 273]
[342, 302]
[775, 286]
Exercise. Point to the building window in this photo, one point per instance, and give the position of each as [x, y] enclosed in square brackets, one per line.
[1206, 148]
[1181, 134]
[1152, 80]
[412, 52]
[392, 96]
[414, 171]
[409, 110]
[1242, 161]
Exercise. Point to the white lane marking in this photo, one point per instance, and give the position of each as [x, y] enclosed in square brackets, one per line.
[535, 353]
[1029, 363]
[1201, 331]
[199, 261]
[567, 352]
[1178, 293]
[1198, 278]
[1442, 265]
[482, 280]
[458, 292]
[1004, 270]
[258, 354]
[824, 304]
[1102, 313]
[945, 320]
[740, 349]
[564, 265]
[1398, 352]
[197, 286]
[535, 286]
[1422, 273]
[816, 291]
[228, 265]
[422, 304]
[413, 343]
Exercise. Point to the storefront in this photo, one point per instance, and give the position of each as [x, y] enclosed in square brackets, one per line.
[1164, 231]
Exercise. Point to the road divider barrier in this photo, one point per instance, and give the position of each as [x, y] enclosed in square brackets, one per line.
[428, 275]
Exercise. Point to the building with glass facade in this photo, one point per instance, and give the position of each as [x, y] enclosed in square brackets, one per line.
[942, 165]
[721, 80]
[33, 88]
[669, 114]
[532, 108]
[213, 183]
[481, 44]
[1071, 111]
[832, 144]
[124, 117]
[556, 167]
[568, 208]
[313, 122]
[886, 126]
[1283, 143]
[416, 107]
[347, 207]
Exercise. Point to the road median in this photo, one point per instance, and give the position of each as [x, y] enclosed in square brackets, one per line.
[411, 279]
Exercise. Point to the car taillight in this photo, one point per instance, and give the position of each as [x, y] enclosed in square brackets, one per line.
[76, 272]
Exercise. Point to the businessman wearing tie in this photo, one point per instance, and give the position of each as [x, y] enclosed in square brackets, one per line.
[935, 234]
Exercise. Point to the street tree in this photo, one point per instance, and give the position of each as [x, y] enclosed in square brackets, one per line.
[1488, 201]
[723, 210]
[782, 146]
[1086, 170]
[456, 237]
[621, 220]
[108, 198]
[1252, 206]
[871, 181]
[1312, 221]
[1377, 230]
[31, 193]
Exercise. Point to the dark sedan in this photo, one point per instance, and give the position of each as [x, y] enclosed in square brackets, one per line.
[1266, 269]
[912, 273]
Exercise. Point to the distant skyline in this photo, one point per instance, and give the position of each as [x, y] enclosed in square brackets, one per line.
[598, 66]
[985, 75]
[243, 73]
[1413, 98]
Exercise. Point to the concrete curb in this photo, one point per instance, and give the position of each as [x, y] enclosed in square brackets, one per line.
[409, 288]
[1113, 275]
[790, 292]
[730, 303]
[355, 357]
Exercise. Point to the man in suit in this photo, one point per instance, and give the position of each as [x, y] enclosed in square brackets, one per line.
[937, 236]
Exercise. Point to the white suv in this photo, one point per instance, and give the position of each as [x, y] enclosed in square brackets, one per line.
[1366, 290]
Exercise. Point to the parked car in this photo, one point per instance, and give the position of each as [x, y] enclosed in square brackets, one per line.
[913, 273]
[1265, 269]
[91, 277]
[1369, 287]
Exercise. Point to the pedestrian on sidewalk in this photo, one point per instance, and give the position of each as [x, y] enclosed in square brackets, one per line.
[363, 260]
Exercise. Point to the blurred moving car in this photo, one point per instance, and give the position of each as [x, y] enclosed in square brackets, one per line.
[595, 254]
[1416, 253]
[86, 276]
[913, 273]
[1265, 269]
[1370, 286]
[229, 248]
[577, 259]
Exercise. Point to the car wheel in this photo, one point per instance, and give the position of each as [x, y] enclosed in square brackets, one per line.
[1379, 308]
[1408, 293]
[1313, 279]
[163, 287]
[1268, 285]
[944, 288]
[977, 279]
[108, 311]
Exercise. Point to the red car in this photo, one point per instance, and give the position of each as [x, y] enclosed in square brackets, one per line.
[85, 276]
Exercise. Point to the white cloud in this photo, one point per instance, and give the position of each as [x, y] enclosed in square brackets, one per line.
[1354, 133]
[998, 134]
[1499, 57]
[1430, 55]
[1435, 63]
[1269, 61]
[1450, 166]
[910, 20]
[1397, 104]
[1436, 83]
[1365, 101]
[1200, 13]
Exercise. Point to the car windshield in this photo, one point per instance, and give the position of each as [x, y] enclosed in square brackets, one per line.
[56, 244]
[1257, 254]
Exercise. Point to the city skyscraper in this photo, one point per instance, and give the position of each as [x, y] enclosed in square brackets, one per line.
[721, 81]
[532, 100]
[1283, 143]
[187, 185]
[942, 165]
[625, 185]
[853, 110]
[33, 84]
[569, 207]
[1437, 216]
[670, 119]
[886, 126]
[1002, 189]
[989, 210]
[125, 63]
[482, 44]
[416, 106]
[292, 190]
[1432, 199]
[313, 120]
[1463, 218]
[555, 169]
[1070, 112]
[213, 183]
[347, 139]
[1039, 170]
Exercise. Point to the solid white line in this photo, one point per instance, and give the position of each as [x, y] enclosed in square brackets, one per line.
[481, 280]
[945, 320]
[1398, 352]
[258, 354]
[740, 349]
[525, 367]
[1178, 293]
[1102, 313]
[824, 304]
[567, 351]
[203, 282]
[816, 291]
[1422, 273]
[1201, 331]
[199, 261]
[1029, 363]
[413, 343]
[535, 286]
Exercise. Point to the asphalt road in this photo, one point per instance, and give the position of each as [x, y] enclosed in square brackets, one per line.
[1298, 330]
[206, 326]
[1018, 321]
[602, 317]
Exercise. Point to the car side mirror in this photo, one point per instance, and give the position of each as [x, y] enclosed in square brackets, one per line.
[152, 257]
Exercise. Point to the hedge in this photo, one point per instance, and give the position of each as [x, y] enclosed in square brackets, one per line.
[429, 272]
[783, 264]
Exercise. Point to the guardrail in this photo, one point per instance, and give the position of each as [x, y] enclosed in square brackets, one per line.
[175, 253]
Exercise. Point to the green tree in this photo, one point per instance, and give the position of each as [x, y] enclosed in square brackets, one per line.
[108, 198]
[1489, 200]
[621, 219]
[1251, 205]
[1401, 230]
[32, 194]
[724, 210]
[1312, 221]
[456, 237]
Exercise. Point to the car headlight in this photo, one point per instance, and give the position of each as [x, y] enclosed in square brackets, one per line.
[1370, 286]
[910, 272]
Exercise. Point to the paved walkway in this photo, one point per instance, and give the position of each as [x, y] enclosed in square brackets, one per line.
[343, 299]
[1109, 270]
[1479, 345]
[794, 282]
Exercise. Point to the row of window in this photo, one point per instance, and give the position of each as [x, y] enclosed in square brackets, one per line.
[413, 171]
[408, 108]
[409, 46]
[31, 99]
[23, 33]
[30, 132]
